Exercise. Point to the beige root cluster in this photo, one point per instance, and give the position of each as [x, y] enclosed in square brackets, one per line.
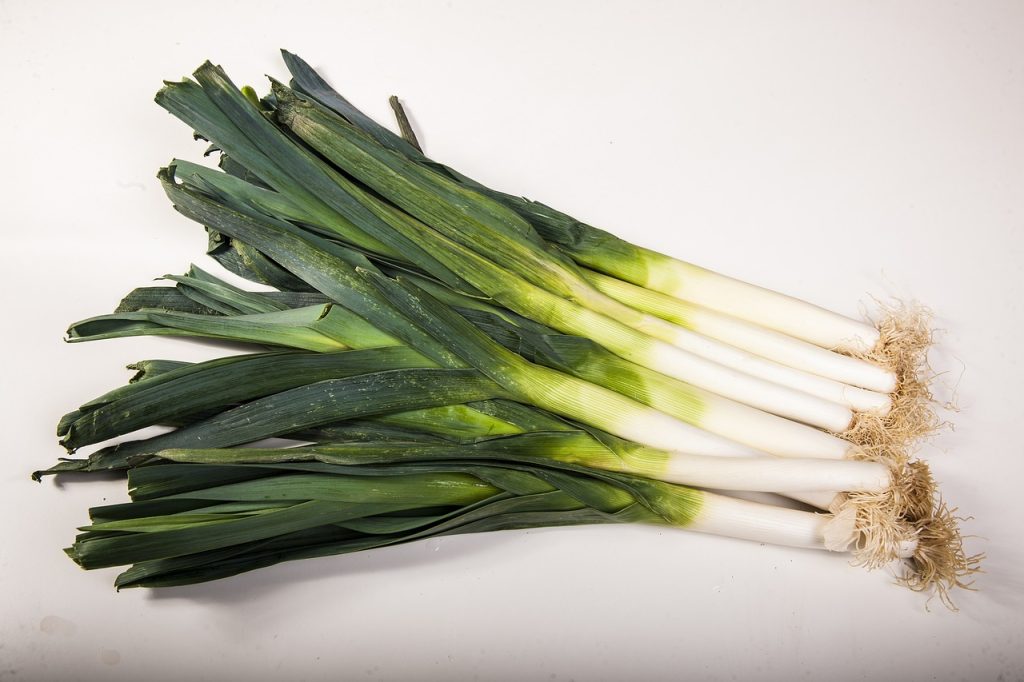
[906, 336]
[910, 520]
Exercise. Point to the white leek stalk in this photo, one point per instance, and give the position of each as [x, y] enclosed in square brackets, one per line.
[757, 474]
[707, 348]
[747, 336]
[731, 517]
[750, 302]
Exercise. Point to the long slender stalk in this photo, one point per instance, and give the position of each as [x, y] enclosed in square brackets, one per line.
[758, 474]
[211, 521]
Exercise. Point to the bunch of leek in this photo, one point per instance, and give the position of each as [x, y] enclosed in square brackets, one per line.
[442, 334]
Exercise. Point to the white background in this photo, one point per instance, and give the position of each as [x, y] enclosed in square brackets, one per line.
[837, 151]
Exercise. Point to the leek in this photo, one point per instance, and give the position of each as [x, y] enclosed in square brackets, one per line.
[253, 396]
[606, 253]
[217, 100]
[192, 522]
[456, 360]
[416, 190]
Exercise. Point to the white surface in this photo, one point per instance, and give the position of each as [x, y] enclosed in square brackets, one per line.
[833, 150]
